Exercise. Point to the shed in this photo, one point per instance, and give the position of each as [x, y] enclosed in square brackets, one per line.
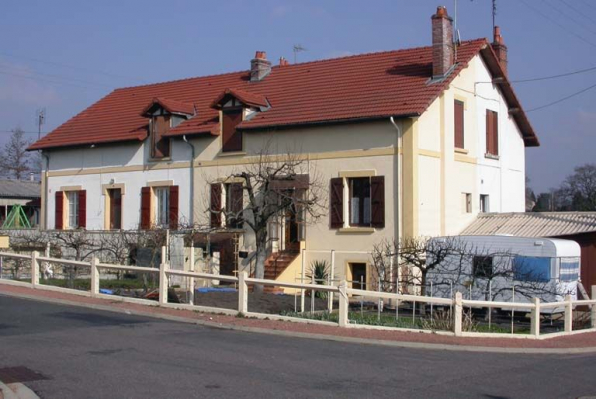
[577, 226]
[26, 193]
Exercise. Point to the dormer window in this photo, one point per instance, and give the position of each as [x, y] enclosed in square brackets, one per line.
[236, 106]
[164, 114]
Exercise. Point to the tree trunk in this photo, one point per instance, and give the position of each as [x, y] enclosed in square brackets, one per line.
[261, 241]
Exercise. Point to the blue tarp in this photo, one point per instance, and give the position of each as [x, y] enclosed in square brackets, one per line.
[528, 268]
[209, 289]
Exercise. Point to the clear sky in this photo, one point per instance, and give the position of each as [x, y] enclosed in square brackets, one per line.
[65, 55]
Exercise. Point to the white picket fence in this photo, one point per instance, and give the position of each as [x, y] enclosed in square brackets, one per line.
[342, 292]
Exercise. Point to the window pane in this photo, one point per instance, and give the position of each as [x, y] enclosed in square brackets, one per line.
[162, 206]
[527, 268]
[73, 209]
[360, 203]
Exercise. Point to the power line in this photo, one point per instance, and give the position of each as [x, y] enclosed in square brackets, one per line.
[554, 21]
[580, 12]
[24, 132]
[562, 99]
[46, 80]
[71, 67]
[52, 76]
[579, 23]
[554, 76]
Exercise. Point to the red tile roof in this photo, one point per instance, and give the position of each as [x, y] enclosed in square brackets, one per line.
[368, 86]
[251, 99]
[172, 106]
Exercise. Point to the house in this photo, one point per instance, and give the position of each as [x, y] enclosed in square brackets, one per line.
[24, 193]
[577, 226]
[410, 142]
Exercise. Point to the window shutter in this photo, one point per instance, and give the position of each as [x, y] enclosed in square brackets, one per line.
[146, 208]
[336, 202]
[458, 124]
[237, 198]
[495, 132]
[489, 127]
[174, 195]
[59, 210]
[215, 210]
[82, 208]
[377, 200]
[231, 138]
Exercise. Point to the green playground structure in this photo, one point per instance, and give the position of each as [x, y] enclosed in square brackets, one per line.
[16, 219]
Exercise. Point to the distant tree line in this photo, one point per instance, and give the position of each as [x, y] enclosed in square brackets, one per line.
[576, 193]
[15, 161]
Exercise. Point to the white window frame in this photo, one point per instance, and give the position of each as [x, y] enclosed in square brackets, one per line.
[161, 201]
[72, 204]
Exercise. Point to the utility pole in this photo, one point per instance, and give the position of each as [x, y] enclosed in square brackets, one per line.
[41, 116]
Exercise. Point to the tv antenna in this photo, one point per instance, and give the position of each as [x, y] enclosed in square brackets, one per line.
[494, 12]
[41, 119]
[297, 49]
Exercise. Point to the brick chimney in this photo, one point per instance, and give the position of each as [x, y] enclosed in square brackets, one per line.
[259, 67]
[283, 61]
[442, 25]
[500, 48]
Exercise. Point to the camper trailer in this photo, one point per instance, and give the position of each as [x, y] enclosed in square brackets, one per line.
[505, 268]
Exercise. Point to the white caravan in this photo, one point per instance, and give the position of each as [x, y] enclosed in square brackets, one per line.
[506, 268]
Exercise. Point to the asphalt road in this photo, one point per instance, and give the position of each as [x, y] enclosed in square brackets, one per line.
[94, 354]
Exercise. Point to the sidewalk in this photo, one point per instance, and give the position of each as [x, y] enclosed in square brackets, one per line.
[580, 343]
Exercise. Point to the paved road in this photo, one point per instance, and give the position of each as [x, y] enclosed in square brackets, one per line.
[95, 354]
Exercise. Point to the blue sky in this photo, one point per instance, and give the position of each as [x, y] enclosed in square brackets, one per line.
[65, 55]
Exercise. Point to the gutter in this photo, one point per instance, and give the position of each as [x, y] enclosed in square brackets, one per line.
[396, 174]
[47, 190]
[192, 179]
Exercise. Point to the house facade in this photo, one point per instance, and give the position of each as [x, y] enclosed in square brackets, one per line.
[412, 142]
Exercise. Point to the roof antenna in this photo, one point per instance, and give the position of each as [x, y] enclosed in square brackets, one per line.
[494, 13]
[456, 37]
[297, 49]
[41, 119]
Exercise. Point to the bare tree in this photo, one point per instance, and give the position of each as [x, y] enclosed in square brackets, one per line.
[271, 186]
[579, 189]
[15, 160]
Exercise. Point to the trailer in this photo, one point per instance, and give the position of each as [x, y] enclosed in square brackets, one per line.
[505, 268]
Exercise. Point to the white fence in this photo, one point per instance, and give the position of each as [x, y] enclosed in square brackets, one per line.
[345, 297]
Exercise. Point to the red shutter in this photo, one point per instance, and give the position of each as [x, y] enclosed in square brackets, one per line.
[146, 208]
[215, 210]
[83, 209]
[231, 138]
[495, 132]
[458, 107]
[377, 201]
[174, 207]
[336, 202]
[59, 210]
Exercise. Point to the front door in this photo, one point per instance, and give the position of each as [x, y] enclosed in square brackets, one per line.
[292, 242]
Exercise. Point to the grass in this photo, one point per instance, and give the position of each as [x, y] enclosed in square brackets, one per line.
[85, 284]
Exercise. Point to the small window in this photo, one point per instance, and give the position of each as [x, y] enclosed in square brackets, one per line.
[466, 202]
[458, 121]
[483, 266]
[234, 205]
[532, 269]
[360, 209]
[162, 206]
[484, 203]
[73, 209]
[115, 208]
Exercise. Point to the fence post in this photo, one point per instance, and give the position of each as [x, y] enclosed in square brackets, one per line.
[568, 314]
[302, 271]
[94, 277]
[242, 293]
[163, 283]
[331, 278]
[343, 304]
[34, 269]
[593, 309]
[535, 322]
[457, 321]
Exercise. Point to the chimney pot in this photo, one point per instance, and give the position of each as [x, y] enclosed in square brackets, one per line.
[283, 61]
[500, 48]
[259, 66]
[442, 39]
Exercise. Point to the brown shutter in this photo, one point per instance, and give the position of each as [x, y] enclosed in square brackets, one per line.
[215, 210]
[336, 202]
[174, 191]
[495, 132]
[83, 208]
[59, 210]
[237, 197]
[458, 107]
[489, 134]
[377, 201]
[146, 208]
[161, 144]
[231, 138]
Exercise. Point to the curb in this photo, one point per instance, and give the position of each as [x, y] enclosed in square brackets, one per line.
[325, 337]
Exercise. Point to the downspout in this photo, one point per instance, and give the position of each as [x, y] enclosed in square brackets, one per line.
[192, 180]
[47, 190]
[397, 217]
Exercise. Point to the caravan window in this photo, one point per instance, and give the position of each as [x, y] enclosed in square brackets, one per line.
[483, 266]
[569, 269]
[528, 268]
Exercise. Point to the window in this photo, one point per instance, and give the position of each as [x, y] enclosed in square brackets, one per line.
[115, 208]
[359, 201]
[160, 145]
[234, 205]
[73, 209]
[483, 266]
[533, 269]
[231, 137]
[492, 133]
[484, 203]
[162, 206]
[458, 120]
[466, 202]
[366, 202]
